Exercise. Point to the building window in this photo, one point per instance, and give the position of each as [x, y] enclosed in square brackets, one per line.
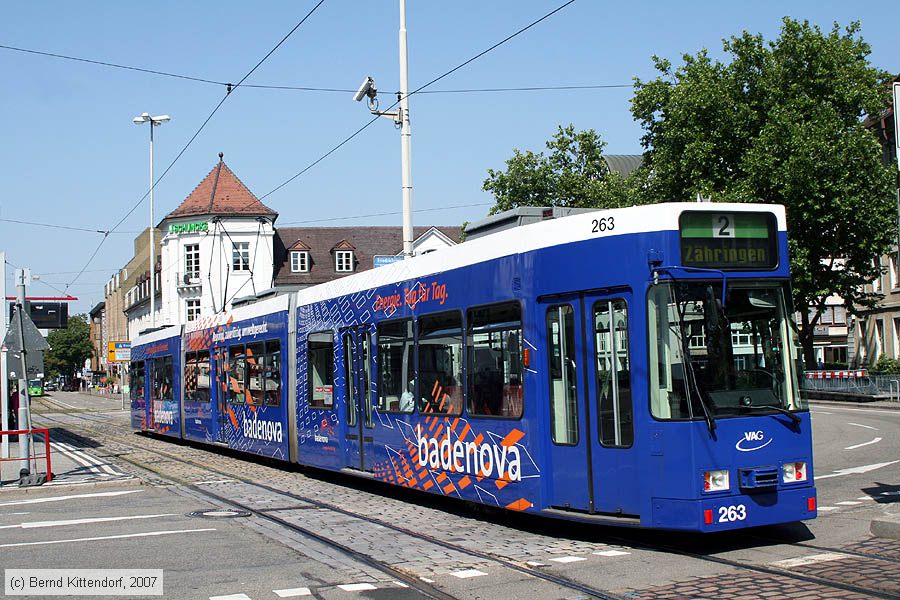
[193, 309]
[240, 256]
[192, 260]
[879, 338]
[300, 262]
[343, 261]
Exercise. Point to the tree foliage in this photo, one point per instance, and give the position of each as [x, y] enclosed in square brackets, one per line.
[572, 175]
[69, 347]
[781, 122]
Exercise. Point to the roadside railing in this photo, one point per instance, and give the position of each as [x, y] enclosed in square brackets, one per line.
[853, 382]
[45, 433]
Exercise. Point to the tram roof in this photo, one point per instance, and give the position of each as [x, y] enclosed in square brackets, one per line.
[544, 234]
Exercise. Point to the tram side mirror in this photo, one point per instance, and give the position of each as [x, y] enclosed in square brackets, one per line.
[759, 300]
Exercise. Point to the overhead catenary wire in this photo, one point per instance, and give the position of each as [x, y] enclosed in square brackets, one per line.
[228, 92]
[304, 88]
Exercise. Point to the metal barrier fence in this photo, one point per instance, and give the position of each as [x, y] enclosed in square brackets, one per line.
[867, 385]
[32, 460]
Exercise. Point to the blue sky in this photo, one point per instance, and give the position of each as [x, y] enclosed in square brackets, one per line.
[70, 155]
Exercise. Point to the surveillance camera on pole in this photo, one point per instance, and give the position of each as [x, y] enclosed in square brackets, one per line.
[366, 89]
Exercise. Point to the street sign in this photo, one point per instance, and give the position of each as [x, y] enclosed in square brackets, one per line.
[380, 260]
[46, 315]
[34, 341]
[118, 352]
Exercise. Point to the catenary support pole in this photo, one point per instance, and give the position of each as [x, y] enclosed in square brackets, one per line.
[4, 372]
[24, 400]
[405, 138]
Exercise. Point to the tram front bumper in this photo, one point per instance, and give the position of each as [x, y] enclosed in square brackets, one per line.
[736, 511]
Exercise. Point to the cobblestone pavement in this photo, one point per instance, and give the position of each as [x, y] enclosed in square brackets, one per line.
[605, 566]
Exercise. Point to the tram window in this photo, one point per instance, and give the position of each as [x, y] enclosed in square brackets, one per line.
[202, 383]
[136, 380]
[615, 420]
[396, 373]
[162, 378]
[256, 366]
[494, 364]
[349, 377]
[320, 370]
[440, 350]
[273, 373]
[190, 376]
[563, 374]
[237, 367]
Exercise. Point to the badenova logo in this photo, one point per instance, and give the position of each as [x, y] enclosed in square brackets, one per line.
[756, 439]
[161, 416]
[177, 228]
[264, 431]
[489, 460]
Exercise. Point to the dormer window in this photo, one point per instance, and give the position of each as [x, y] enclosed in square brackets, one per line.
[300, 261]
[343, 260]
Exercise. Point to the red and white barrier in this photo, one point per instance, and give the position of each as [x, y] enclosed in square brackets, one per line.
[855, 374]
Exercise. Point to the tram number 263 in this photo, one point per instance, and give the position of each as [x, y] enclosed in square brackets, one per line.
[728, 514]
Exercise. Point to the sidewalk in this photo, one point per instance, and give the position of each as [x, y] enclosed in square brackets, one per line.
[880, 404]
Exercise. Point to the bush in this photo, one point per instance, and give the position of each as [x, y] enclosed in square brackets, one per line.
[886, 365]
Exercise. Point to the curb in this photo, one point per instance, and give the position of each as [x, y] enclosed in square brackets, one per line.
[887, 526]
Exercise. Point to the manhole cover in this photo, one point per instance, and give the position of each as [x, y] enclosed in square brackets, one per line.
[219, 514]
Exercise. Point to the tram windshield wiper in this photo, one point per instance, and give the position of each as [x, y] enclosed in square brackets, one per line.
[691, 374]
[780, 409]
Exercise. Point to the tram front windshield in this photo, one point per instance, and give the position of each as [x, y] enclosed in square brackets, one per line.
[713, 360]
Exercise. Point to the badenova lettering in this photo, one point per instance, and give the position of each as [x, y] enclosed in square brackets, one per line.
[489, 460]
[265, 431]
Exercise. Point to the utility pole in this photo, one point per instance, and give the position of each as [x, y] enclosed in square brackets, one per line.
[4, 371]
[401, 120]
[405, 138]
[24, 400]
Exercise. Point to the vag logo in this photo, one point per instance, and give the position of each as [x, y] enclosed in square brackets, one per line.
[752, 440]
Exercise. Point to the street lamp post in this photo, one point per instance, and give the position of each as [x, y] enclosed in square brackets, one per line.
[154, 122]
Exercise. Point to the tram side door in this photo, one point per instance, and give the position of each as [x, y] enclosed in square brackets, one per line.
[220, 393]
[608, 387]
[357, 344]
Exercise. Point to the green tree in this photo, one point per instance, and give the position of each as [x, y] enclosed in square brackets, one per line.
[69, 347]
[572, 175]
[781, 122]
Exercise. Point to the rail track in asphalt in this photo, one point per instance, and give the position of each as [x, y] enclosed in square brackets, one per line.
[562, 581]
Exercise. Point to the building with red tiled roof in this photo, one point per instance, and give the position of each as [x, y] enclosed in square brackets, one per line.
[307, 256]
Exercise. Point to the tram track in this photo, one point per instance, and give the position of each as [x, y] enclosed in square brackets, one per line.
[493, 558]
[388, 569]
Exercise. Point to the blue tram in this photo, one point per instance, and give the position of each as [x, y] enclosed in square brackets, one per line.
[634, 366]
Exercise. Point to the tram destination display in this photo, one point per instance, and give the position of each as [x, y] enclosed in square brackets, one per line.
[735, 241]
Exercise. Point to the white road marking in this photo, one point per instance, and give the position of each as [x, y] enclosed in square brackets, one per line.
[827, 508]
[400, 584]
[856, 470]
[568, 559]
[863, 426]
[37, 524]
[75, 457]
[72, 497]
[534, 563]
[869, 443]
[866, 498]
[810, 560]
[91, 459]
[231, 597]
[292, 593]
[15, 514]
[848, 503]
[611, 553]
[866, 410]
[107, 537]
[357, 587]
[468, 573]
[896, 493]
[426, 580]
[819, 412]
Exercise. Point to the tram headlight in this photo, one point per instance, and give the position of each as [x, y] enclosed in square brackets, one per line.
[793, 471]
[715, 481]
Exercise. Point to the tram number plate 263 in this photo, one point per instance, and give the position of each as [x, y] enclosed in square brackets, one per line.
[603, 224]
[729, 514]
